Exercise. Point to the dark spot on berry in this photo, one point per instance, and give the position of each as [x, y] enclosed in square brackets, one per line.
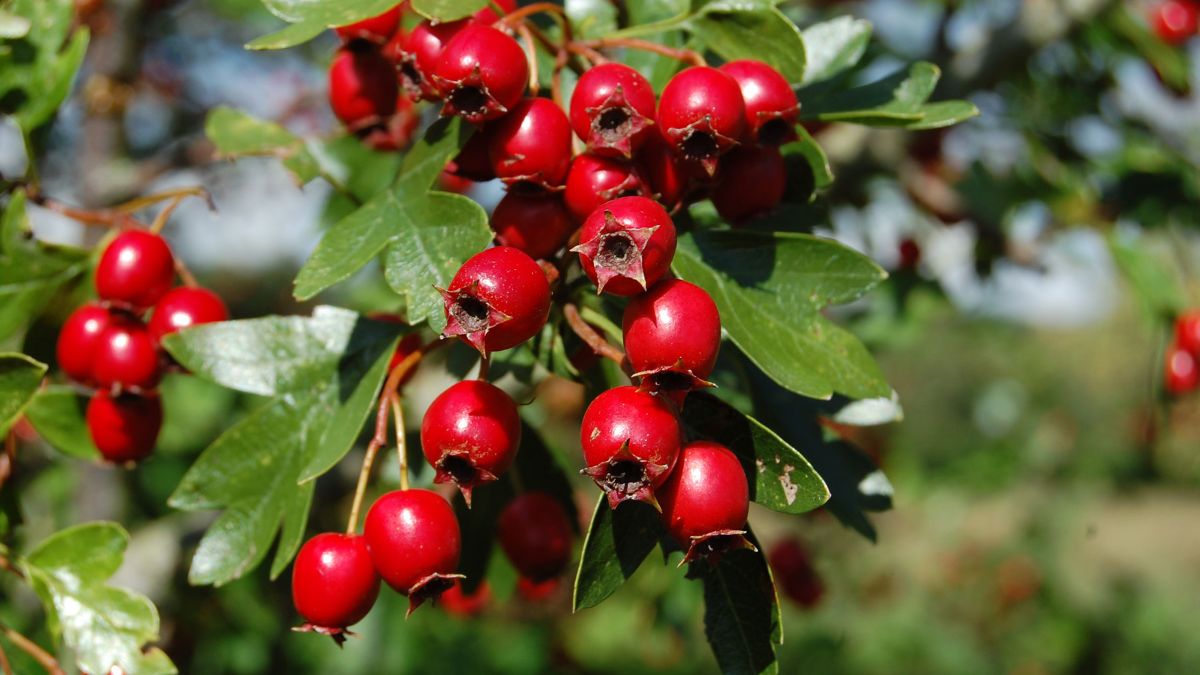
[670, 380]
[469, 100]
[471, 312]
[410, 77]
[432, 589]
[625, 476]
[715, 545]
[774, 132]
[613, 119]
[460, 469]
[699, 145]
[616, 251]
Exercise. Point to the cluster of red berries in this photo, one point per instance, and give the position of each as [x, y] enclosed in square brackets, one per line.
[1174, 21]
[1182, 368]
[108, 346]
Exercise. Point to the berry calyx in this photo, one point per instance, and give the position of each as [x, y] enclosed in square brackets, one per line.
[127, 356]
[362, 86]
[535, 533]
[594, 180]
[533, 222]
[630, 440]
[795, 574]
[334, 583]
[184, 307]
[1182, 372]
[702, 116]
[414, 541]
[706, 500]
[79, 339]
[612, 109]
[1174, 21]
[626, 245]
[751, 182]
[672, 334]
[498, 299]
[532, 144]
[1187, 332]
[124, 428]
[375, 29]
[417, 56]
[481, 74]
[458, 602]
[135, 270]
[771, 106]
[470, 434]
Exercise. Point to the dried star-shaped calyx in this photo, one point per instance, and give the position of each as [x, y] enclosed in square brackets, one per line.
[617, 252]
[470, 317]
[614, 123]
[676, 378]
[429, 588]
[626, 476]
[712, 546]
[456, 466]
[469, 98]
[775, 127]
[411, 77]
[700, 142]
[338, 634]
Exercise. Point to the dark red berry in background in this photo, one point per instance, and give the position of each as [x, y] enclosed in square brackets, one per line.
[701, 115]
[672, 335]
[470, 434]
[408, 345]
[377, 29]
[594, 180]
[630, 442]
[185, 306]
[532, 590]
[535, 223]
[795, 574]
[136, 269]
[535, 533]
[910, 255]
[706, 500]
[78, 341]
[414, 540]
[626, 245]
[1174, 21]
[124, 428]
[127, 356]
[447, 181]
[334, 583]
[1182, 372]
[1187, 332]
[667, 175]
[498, 299]
[771, 105]
[531, 144]
[418, 55]
[458, 602]
[612, 109]
[396, 132]
[481, 74]
[362, 86]
[751, 182]
[472, 161]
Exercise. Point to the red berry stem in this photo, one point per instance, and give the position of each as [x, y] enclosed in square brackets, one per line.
[110, 218]
[686, 55]
[485, 365]
[590, 337]
[527, 42]
[43, 658]
[512, 19]
[139, 203]
[593, 56]
[401, 441]
[364, 474]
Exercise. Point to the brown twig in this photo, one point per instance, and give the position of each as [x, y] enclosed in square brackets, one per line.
[184, 273]
[595, 57]
[100, 217]
[590, 337]
[5, 666]
[511, 19]
[530, 56]
[178, 194]
[687, 55]
[44, 659]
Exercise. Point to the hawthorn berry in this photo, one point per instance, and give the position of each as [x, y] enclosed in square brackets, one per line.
[1174, 21]
[535, 533]
[701, 115]
[672, 335]
[135, 270]
[362, 86]
[531, 144]
[630, 440]
[186, 306]
[612, 109]
[535, 223]
[910, 257]
[470, 434]
[498, 299]
[706, 500]
[626, 245]
[1187, 332]
[751, 182]
[78, 340]
[126, 356]
[794, 573]
[418, 53]
[124, 428]
[594, 180]
[1182, 373]
[472, 162]
[334, 583]
[480, 74]
[414, 541]
[771, 106]
[667, 175]
[457, 602]
[532, 590]
[377, 29]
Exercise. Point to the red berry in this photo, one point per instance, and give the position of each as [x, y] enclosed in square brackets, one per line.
[481, 74]
[362, 86]
[127, 356]
[418, 55]
[701, 115]
[334, 583]
[532, 144]
[771, 105]
[497, 300]
[612, 109]
[1187, 332]
[1182, 373]
[751, 182]
[408, 345]
[470, 434]
[630, 441]
[910, 257]
[706, 500]
[457, 602]
[415, 542]
[594, 180]
[626, 245]
[472, 161]
[672, 335]
[79, 339]
[794, 573]
[135, 270]
[448, 181]
[184, 307]
[535, 533]
[374, 29]
[533, 590]
[537, 224]
[124, 428]
[1174, 20]
[667, 175]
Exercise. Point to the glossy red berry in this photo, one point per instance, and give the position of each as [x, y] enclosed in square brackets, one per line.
[531, 144]
[751, 182]
[594, 180]
[535, 533]
[612, 109]
[533, 222]
[672, 336]
[701, 115]
[472, 162]
[706, 500]
[497, 300]
[334, 583]
[631, 440]
[184, 307]
[1174, 21]
[418, 53]
[414, 541]
[668, 176]
[771, 106]
[458, 602]
[1187, 332]
[795, 574]
[124, 428]
[626, 245]
[78, 341]
[1182, 372]
[376, 29]
[470, 434]
[362, 86]
[135, 270]
[127, 356]
[481, 74]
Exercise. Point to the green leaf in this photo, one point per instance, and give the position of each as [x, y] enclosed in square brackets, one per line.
[591, 18]
[30, 271]
[291, 36]
[943, 114]
[13, 26]
[1154, 282]
[894, 100]
[780, 477]
[741, 613]
[447, 10]
[59, 415]
[239, 134]
[808, 168]
[309, 18]
[770, 288]
[834, 46]
[20, 376]
[614, 547]
[105, 626]
[43, 75]
[763, 34]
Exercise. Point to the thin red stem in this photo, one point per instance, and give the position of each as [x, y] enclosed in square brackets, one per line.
[685, 55]
[590, 337]
[44, 659]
